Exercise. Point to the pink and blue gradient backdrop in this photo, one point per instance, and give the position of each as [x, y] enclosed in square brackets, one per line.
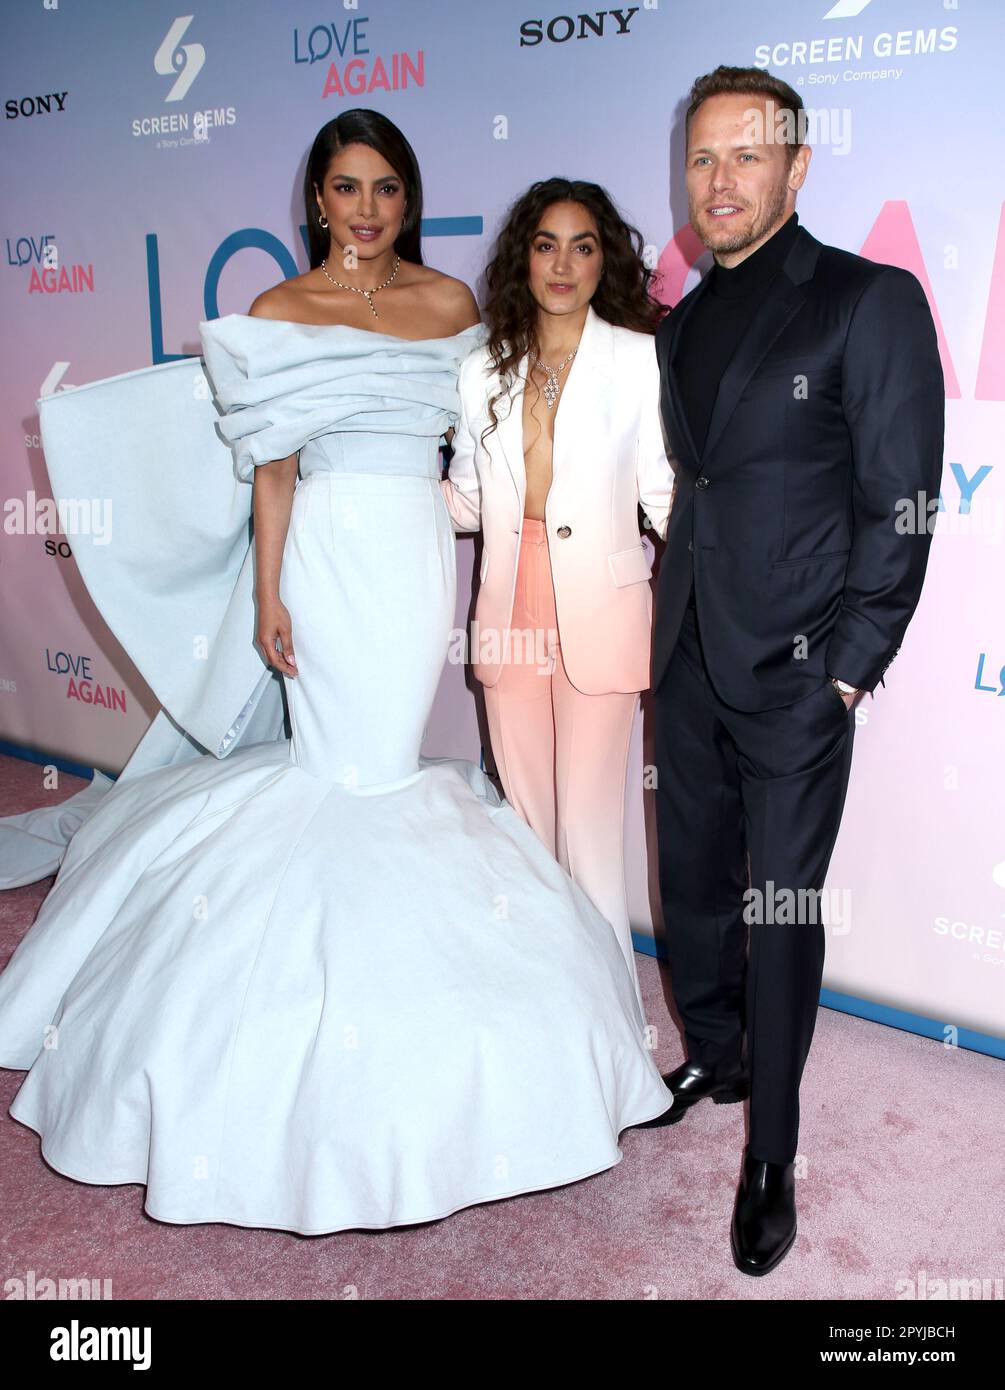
[158, 230]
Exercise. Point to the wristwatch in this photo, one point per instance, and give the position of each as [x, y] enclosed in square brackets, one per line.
[844, 687]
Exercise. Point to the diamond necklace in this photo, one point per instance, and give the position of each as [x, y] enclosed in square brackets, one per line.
[365, 293]
[551, 386]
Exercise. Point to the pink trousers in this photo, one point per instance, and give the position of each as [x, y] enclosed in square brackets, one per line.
[561, 755]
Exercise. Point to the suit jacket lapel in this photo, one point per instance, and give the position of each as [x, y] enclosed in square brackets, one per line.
[583, 396]
[783, 300]
[510, 430]
[678, 416]
[588, 373]
[782, 303]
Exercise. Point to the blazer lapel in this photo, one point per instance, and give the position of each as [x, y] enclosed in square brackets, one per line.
[782, 303]
[772, 316]
[678, 416]
[587, 375]
[510, 429]
[585, 391]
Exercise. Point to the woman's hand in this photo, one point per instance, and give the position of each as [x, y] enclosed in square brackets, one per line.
[274, 625]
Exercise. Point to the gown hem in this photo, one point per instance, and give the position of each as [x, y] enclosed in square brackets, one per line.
[250, 1224]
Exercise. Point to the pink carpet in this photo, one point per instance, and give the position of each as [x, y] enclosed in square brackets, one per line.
[899, 1144]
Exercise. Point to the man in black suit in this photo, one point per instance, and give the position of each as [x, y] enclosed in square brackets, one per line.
[802, 396]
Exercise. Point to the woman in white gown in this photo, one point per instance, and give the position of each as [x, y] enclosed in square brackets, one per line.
[322, 982]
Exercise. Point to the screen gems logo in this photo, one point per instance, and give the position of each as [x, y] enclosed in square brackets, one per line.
[990, 940]
[185, 59]
[183, 62]
[847, 9]
[846, 48]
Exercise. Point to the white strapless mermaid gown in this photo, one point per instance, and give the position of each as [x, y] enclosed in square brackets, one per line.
[312, 983]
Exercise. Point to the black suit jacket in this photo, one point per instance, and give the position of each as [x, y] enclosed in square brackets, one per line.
[828, 424]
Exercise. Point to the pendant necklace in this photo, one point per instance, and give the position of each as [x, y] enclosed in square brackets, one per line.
[365, 293]
[551, 386]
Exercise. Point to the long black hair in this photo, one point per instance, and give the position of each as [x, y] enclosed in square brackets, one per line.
[361, 126]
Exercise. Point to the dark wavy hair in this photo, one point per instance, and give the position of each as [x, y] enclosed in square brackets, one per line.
[361, 126]
[622, 297]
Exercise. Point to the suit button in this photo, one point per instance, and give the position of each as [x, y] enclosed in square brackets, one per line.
[690, 546]
[565, 531]
[701, 481]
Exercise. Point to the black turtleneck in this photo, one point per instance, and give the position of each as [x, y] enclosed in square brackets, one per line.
[718, 321]
[716, 324]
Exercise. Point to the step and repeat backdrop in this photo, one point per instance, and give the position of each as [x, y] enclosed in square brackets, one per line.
[152, 167]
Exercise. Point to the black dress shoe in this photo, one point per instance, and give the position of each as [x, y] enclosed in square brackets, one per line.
[764, 1215]
[692, 1081]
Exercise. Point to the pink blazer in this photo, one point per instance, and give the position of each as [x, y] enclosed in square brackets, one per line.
[609, 455]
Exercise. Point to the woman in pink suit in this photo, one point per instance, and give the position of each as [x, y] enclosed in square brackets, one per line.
[558, 443]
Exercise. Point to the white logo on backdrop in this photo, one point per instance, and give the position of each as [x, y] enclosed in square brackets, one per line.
[998, 876]
[54, 381]
[846, 9]
[173, 52]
